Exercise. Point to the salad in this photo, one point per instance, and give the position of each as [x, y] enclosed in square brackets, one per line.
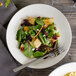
[71, 74]
[37, 36]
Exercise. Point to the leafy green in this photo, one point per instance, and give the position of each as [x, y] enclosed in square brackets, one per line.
[43, 18]
[51, 34]
[18, 35]
[39, 21]
[7, 3]
[23, 34]
[26, 32]
[47, 41]
[44, 40]
[58, 34]
[38, 26]
[32, 33]
[28, 50]
[41, 37]
[51, 27]
[45, 36]
[38, 54]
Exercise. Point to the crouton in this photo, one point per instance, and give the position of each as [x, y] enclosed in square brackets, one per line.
[26, 28]
[51, 20]
[37, 43]
[31, 20]
[48, 21]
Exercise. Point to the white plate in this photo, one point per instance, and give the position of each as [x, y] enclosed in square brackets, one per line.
[64, 69]
[34, 11]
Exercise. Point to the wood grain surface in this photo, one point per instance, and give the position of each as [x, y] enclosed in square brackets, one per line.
[69, 10]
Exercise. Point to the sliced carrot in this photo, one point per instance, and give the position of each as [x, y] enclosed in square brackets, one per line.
[38, 32]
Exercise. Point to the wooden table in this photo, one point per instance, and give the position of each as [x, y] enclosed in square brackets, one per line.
[67, 7]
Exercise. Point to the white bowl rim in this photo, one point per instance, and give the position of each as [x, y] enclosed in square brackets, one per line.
[66, 64]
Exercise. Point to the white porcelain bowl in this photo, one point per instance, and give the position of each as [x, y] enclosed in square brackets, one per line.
[45, 11]
[64, 69]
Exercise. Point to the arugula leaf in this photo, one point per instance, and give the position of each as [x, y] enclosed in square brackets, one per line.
[28, 50]
[7, 3]
[38, 54]
[18, 35]
[39, 21]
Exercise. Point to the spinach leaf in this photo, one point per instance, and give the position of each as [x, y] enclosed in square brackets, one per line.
[38, 54]
[23, 34]
[18, 35]
[41, 38]
[28, 50]
[51, 27]
[39, 21]
[44, 40]
[47, 41]
[32, 33]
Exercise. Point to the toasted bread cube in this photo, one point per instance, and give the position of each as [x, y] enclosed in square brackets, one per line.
[52, 20]
[48, 21]
[37, 43]
[31, 20]
[26, 28]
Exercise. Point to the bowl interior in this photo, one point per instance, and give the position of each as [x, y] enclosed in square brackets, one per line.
[36, 10]
[64, 69]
